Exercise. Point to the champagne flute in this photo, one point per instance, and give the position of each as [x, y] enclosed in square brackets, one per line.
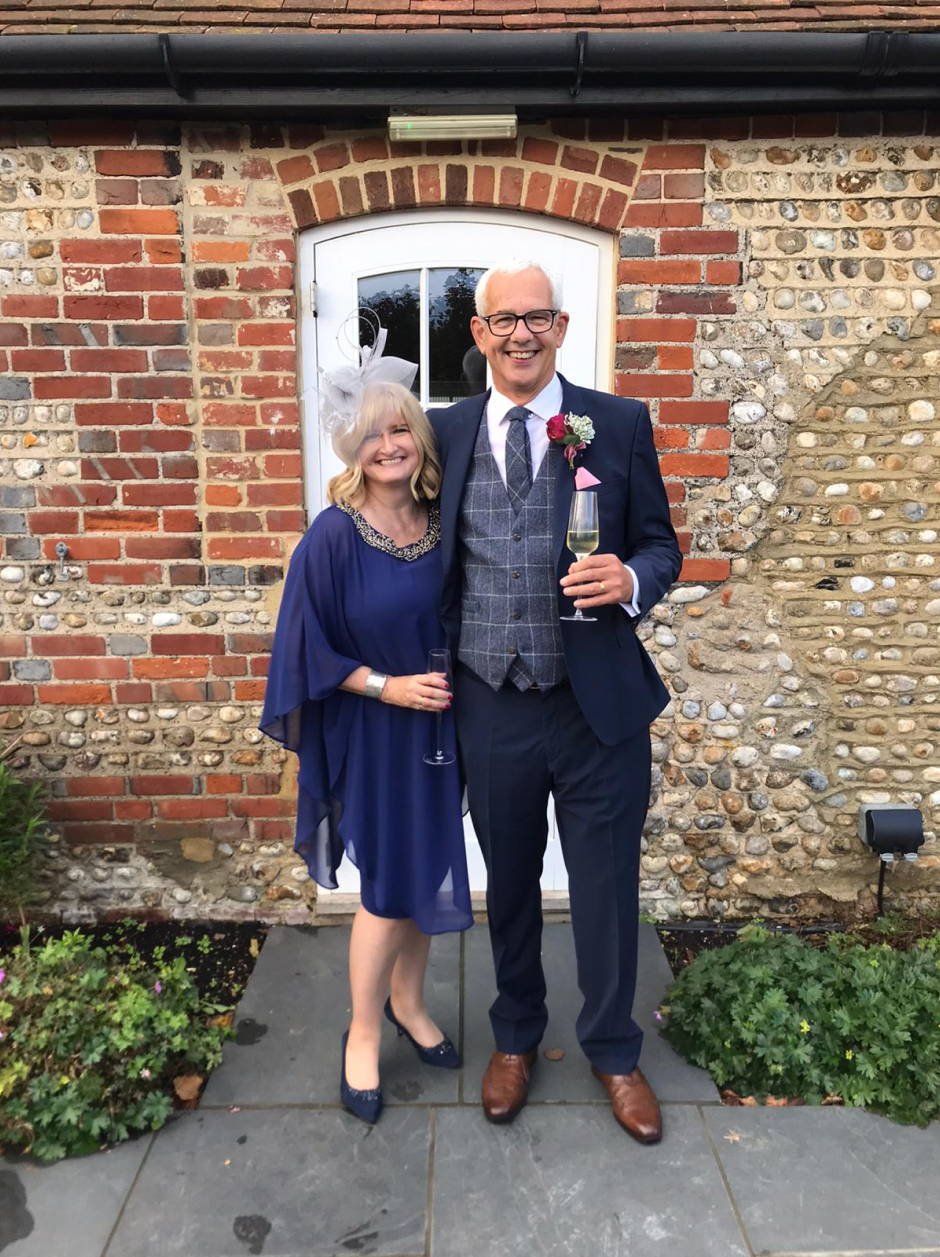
[583, 537]
[439, 661]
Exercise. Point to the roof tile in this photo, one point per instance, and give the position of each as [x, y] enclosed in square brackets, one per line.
[25, 17]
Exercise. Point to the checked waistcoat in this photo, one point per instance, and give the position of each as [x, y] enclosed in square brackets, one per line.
[509, 607]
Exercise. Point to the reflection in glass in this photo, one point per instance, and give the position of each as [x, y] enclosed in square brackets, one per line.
[396, 299]
[457, 368]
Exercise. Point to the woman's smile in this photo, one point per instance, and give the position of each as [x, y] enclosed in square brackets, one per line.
[391, 452]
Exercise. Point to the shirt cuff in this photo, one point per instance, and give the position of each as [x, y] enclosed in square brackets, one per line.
[633, 606]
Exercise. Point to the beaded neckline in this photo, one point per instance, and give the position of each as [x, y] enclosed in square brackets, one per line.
[378, 540]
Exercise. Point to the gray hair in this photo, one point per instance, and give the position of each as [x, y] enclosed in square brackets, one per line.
[515, 267]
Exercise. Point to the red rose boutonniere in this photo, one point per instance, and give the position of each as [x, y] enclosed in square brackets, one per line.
[573, 432]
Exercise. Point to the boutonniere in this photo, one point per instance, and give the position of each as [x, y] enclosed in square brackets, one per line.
[574, 433]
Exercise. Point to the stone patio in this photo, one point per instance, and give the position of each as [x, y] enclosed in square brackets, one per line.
[271, 1164]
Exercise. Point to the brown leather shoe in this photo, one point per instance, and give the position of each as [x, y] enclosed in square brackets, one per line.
[634, 1105]
[506, 1085]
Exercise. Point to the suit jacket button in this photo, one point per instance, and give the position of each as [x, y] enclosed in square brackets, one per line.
[517, 615]
[517, 536]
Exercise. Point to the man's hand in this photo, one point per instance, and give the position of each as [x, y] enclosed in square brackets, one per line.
[597, 581]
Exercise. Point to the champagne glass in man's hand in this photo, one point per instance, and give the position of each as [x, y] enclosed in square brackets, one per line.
[439, 661]
[583, 536]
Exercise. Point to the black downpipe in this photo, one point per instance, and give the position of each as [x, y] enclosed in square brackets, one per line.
[172, 75]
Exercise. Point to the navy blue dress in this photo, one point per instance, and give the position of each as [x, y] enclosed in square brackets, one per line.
[353, 597]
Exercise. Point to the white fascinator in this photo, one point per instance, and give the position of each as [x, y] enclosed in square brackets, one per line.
[341, 388]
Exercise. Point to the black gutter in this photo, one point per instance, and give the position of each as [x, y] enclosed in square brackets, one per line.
[337, 77]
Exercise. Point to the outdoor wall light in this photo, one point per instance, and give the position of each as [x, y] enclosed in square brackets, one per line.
[458, 126]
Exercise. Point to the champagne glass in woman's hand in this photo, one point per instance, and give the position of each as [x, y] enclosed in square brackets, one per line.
[583, 536]
[439, 661]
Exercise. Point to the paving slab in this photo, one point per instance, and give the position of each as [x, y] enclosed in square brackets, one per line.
[565, 1180]
[569, 1079]
[69, 1207]
[292, 1016]
[830, 1180]
[288, 1183]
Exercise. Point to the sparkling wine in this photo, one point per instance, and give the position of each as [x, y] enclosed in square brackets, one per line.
[583, 537]
[582, 542]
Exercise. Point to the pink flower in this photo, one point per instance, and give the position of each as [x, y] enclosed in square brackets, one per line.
[158, 986]
[556, 428]
[145, 1073]
[3, 974]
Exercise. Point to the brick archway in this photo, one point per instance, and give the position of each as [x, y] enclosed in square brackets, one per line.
[586, 182]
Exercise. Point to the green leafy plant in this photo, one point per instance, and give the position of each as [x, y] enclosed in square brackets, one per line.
[771, 1015]
[92, 1041]
[22, 836]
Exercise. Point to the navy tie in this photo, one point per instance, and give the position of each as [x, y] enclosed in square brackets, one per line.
[518, 484]
[518, 458]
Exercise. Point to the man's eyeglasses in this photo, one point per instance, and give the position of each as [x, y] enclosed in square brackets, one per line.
[504, 324]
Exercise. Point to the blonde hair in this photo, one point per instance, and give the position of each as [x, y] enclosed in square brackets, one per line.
[381, 402]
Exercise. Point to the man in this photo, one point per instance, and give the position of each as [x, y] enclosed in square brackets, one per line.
[550, 706]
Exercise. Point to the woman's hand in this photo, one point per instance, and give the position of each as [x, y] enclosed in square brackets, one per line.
[426, 691]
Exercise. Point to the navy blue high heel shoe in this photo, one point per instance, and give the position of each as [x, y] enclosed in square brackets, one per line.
[366, 1105]
[443, 1055]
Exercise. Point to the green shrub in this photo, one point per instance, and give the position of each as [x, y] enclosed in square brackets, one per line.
[22, 838]
[91, 1042]
[772, 1015]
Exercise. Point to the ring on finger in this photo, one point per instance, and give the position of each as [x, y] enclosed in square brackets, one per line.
[603, 587]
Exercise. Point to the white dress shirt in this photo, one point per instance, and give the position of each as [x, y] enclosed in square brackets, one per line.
[542, 407]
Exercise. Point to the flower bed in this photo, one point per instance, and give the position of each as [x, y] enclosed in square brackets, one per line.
[771, 1015]
[99, 1038]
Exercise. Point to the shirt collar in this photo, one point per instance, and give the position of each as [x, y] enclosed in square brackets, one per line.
[544, 404]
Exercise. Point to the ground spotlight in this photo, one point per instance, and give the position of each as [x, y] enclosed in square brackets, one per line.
[893, 833]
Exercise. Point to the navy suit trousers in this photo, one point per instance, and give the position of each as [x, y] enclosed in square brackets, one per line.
[517, 749]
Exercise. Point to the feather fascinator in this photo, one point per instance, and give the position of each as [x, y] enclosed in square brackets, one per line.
[341, 388]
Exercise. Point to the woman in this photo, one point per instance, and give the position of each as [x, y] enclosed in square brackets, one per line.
[348, 690]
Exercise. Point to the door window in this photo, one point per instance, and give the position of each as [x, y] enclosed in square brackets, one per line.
[427, 313]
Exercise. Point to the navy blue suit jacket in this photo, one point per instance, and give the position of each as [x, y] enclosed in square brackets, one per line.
[613, 678]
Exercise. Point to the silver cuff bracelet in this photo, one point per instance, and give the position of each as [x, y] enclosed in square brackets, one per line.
[375, 684]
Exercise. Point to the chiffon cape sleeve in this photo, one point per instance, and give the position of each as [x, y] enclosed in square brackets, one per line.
[306, 669]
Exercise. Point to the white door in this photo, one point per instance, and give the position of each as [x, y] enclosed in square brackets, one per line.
[418, 271]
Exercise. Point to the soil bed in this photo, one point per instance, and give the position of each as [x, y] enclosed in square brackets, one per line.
[683, 941]
[219, 955]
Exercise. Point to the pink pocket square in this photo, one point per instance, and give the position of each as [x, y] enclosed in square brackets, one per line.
[583, 479]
